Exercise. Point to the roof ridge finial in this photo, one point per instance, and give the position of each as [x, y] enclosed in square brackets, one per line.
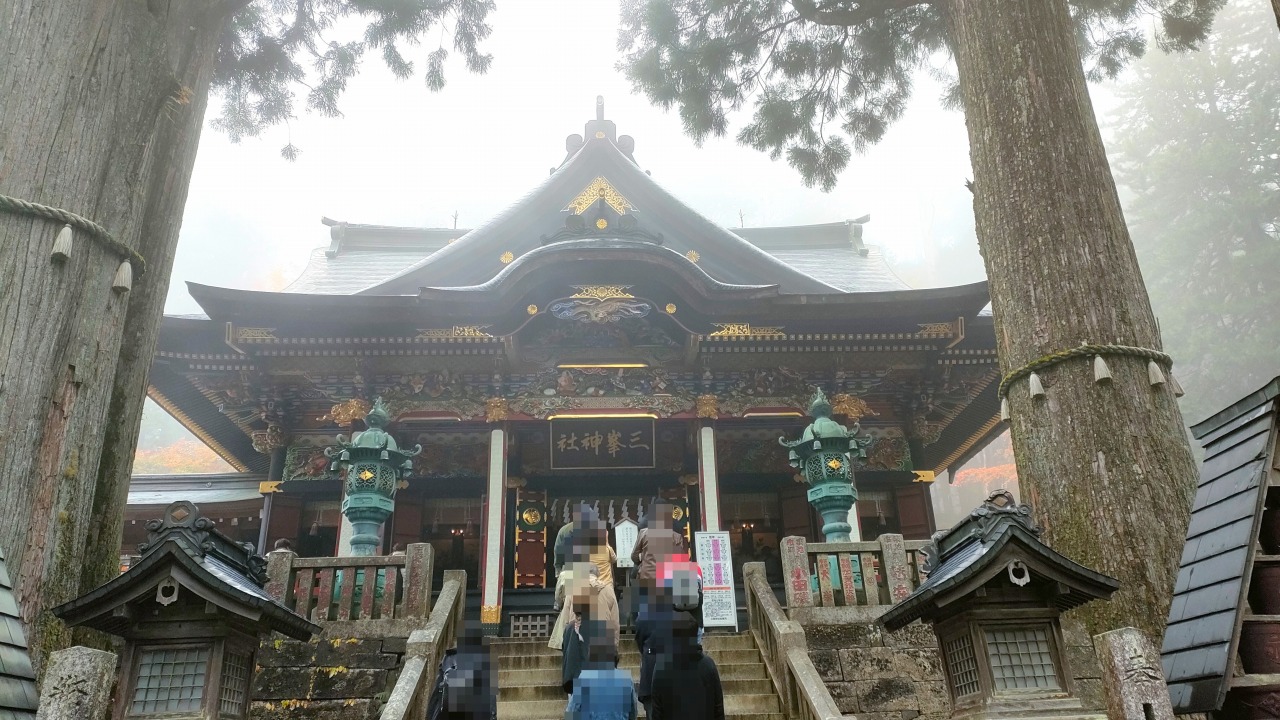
[599, 107]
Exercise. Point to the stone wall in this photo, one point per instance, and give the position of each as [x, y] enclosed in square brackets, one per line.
[329, 678]
[879, 675]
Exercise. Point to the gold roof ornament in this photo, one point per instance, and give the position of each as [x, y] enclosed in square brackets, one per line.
[599, 189]
[496, 409]
[708, 406]
[507, 257]
[693, 255]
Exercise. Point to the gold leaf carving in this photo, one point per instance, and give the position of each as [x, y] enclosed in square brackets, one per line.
[599, 189]
[746, 330]
[249, 333]
[708, 406]
[496, 409]
[602, 292]
[851, 406]
[457, 331]
[347, 412]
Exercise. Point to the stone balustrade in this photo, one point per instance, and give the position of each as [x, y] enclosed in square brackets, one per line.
[365, 589]
[820, 577]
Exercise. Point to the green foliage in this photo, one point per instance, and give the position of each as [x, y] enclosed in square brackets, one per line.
[275, 49]
[1197, 146]
[829, 77]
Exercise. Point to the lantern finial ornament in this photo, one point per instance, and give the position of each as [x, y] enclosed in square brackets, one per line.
[373, 465]
[824, 455]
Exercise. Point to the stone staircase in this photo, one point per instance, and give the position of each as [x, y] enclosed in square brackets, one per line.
[529, 677]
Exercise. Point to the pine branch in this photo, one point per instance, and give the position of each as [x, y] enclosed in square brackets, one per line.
[861, 11]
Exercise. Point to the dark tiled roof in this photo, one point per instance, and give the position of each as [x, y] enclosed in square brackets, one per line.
[18, 696]
[975, 547]
[1208, 598]
[353, 270]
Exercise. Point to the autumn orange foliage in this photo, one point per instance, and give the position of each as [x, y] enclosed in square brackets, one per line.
[179, 457]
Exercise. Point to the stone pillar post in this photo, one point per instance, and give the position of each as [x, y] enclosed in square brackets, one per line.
[77, 685]
[494, 533]
[1132, 679]
[708, 479]
[795, 571]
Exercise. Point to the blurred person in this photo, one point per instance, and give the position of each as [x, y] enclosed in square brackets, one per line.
[603, 691]
[653, 637]
[595, 622]
[658, 541]
[466, 685]
[686, 682]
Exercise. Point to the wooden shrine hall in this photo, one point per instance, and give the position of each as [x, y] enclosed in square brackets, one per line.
[597, 341]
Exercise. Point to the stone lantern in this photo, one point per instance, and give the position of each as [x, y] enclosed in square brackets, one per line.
[823, 454]
[192, 613]
[994, 595]
[372, 464]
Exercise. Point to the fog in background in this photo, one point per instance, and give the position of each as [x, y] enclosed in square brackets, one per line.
[402, 155]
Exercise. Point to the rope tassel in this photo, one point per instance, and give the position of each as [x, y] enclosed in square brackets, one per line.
[62, 244]
[1037, 387]
[123, 281]
[1174, 386]
[1154, 374]
[1101, 373]
[1004, 409]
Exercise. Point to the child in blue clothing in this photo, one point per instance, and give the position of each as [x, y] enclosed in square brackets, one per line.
[602, 691]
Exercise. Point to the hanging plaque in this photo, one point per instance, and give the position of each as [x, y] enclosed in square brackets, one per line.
[625, 535]
[715, 558]
[602, 444]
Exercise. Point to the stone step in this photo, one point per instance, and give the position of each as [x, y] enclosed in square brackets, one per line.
[499, 647]
[627, 659]
[551, 675]
[748, 707]
[552, 691]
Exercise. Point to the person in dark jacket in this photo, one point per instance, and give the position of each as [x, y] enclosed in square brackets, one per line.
[653, 639]
[686, 684]
[466, 684]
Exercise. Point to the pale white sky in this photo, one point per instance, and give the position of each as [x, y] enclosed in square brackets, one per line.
[402, 155]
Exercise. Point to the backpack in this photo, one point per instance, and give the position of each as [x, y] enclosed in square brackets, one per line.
[684, 577]
[438, 702]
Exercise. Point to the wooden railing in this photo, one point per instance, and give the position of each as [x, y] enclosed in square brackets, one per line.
[395, 587]
[851, 574]
[782, 642]
[425, 649]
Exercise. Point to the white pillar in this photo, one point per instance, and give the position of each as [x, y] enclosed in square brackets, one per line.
[708, 479]
[855, 529]
[495, 515]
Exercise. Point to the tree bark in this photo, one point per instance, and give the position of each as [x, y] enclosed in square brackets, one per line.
[1107, 467]
[101, 104]
[1275, 5]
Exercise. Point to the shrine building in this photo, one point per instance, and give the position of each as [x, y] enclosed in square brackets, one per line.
[597, 341]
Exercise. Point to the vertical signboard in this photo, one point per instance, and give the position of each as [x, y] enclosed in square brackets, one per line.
[625, 535]
[715, 557]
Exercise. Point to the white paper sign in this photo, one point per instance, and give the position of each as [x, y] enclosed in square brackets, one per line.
[715, 557]
[625, 534]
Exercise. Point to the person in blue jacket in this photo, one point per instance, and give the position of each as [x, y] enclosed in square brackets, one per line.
[602, 690]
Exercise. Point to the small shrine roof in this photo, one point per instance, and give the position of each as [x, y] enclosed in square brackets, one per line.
[974, 551]
[211, 564]
[1208, 597]
[18, 695]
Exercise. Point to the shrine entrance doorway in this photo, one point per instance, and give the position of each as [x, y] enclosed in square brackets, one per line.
[543, 507]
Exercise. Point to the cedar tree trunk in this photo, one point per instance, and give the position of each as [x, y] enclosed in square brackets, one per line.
[101, 103]
[1107, 467]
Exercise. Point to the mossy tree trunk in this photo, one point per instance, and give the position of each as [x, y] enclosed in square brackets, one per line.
[1107, 467]
[101, 104]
